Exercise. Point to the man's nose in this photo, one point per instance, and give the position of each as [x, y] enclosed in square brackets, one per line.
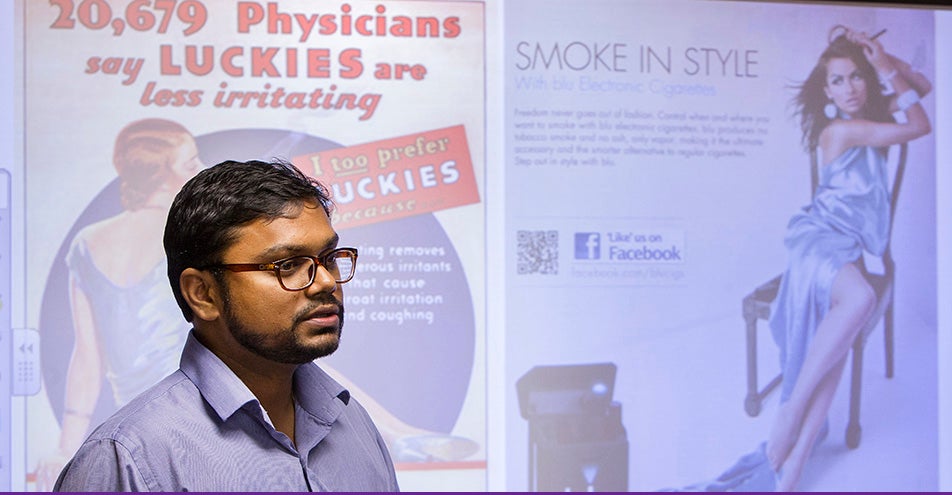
[324, 281]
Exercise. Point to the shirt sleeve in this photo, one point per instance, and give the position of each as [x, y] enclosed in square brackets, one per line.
[102, 465]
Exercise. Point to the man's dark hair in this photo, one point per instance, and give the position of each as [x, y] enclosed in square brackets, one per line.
[209, 209]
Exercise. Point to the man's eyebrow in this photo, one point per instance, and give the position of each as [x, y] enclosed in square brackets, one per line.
[281, 250]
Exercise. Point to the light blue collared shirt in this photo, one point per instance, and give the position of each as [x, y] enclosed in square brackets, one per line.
[201, 429]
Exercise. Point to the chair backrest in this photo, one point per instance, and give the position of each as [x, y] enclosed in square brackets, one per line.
[895, 187]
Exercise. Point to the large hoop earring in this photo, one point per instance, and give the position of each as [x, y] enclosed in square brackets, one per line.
[830, 110]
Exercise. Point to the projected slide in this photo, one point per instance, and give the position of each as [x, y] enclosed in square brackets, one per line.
[128, 100]
[604, 245]
[656, 176]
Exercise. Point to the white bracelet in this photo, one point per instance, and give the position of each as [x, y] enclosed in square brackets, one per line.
[907, 99]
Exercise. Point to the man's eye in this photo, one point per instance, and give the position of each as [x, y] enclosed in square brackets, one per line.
[291, 264]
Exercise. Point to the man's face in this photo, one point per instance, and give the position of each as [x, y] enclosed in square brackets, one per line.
[273, 323]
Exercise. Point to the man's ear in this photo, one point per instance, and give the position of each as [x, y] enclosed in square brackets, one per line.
[201, 292]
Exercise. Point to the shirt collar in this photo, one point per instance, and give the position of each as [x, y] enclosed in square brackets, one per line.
[220, 387]
[316, 392]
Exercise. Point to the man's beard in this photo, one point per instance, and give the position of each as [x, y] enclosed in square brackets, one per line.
[287, 346]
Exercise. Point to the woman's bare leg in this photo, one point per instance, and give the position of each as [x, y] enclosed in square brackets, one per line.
[852, 300]
[810, 430]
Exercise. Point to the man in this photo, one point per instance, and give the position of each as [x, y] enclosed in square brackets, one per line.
[255, 267]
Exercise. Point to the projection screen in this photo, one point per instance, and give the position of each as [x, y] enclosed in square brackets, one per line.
[573, 218]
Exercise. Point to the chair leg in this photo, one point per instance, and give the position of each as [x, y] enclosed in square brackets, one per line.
[888, 336]
[752, 402]
[853, 430]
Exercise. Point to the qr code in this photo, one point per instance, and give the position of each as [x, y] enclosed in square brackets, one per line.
[538, 252]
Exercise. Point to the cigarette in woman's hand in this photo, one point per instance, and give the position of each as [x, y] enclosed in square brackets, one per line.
[877, 35]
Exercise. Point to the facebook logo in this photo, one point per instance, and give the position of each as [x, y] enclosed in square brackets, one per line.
[587, 246]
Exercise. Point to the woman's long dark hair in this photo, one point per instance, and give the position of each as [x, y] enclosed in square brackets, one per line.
[810, 98]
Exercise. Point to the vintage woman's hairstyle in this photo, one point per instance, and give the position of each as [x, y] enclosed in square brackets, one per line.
[144, 153]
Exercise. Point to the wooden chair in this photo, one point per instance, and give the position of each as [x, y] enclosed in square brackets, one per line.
[756, 306]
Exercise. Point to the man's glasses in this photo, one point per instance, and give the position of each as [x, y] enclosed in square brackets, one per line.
[298, 272]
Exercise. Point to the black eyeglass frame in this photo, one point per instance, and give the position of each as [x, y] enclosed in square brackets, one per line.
[275, 266]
